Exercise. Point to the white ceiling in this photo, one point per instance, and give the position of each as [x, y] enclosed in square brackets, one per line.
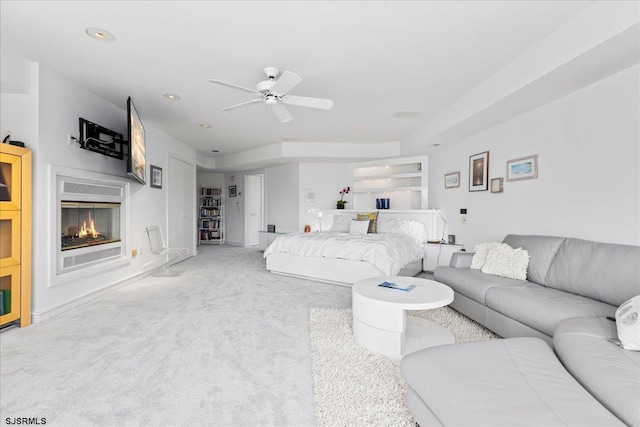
[372, 58]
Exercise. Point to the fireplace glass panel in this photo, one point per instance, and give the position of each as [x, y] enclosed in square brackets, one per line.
[89, 224]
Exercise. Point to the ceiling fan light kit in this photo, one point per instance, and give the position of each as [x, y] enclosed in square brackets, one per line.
[274, 93]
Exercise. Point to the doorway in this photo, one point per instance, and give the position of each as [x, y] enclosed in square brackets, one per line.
[254, 216]
[181, 222]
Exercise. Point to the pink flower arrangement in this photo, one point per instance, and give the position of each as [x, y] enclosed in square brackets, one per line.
[342, 193]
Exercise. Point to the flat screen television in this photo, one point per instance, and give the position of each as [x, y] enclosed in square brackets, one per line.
[137, 161]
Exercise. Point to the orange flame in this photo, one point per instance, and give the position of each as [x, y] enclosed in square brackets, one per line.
[84, 232]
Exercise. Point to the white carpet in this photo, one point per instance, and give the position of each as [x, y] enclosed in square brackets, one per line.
[354, 387]
[224, 344]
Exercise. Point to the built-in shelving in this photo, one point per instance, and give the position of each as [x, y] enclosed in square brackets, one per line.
[403, 181]
[211, 216]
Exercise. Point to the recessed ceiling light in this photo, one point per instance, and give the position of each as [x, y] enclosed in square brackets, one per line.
[100, 34]
[172, 96]
[206, 126]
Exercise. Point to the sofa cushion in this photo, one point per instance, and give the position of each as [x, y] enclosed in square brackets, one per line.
[610, 373]
[506, 261]
[542, 250]
[602, 271]
[516, 381]
[543, 308]
[628, 324]
[473, 283]
[480, 253]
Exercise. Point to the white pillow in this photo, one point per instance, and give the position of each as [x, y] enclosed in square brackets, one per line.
[628, 324]
[481, 251]
[359, 226]
[507, 262]
[411, 228]
[341, 223]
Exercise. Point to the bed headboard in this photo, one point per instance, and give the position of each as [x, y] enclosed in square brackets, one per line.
[432, 222]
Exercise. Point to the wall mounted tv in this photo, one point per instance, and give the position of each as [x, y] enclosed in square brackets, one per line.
[137, 160]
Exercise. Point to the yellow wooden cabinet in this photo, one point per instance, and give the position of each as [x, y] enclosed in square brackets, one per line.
[15, 234]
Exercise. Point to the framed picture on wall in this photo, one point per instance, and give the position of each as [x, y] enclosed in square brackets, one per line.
[497, 185]
[479, 172]
[232, 191]
[452, 180]
[522, 168]
[156, 177]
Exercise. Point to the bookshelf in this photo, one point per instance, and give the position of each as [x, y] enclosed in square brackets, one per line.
[211, 216]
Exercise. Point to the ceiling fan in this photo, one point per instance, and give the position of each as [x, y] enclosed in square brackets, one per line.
[275, 94]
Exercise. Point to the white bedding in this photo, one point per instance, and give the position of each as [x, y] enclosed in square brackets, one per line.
[387, 252]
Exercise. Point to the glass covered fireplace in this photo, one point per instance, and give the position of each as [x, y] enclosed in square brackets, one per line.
[86, 224]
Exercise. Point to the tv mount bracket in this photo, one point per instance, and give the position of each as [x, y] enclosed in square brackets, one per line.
[101, 140]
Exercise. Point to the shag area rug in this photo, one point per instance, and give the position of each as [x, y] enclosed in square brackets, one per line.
[355, 387]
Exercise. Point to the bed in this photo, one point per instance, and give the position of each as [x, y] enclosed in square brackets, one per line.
[341, 257]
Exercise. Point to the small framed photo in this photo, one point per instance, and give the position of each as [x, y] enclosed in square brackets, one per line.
[522, 168]
[497, 185]
[232, 191]
[479, 172]
[156, 177]
[452, 180]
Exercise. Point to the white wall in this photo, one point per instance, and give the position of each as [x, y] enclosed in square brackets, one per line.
[43, 118]
[209, 180]
[282, 196]
[588, 185]
[326, 180]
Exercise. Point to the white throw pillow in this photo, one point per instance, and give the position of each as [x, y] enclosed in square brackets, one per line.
[505, 261]
[481, 251]
[628, 324]
[411, 228]
[359, 226]
[341, 223]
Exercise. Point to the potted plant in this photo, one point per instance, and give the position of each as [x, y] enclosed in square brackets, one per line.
[340, 203]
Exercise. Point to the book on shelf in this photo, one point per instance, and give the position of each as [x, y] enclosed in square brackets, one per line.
[210, 191]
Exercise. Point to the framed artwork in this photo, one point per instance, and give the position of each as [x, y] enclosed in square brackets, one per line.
[452, 180]
[232, 191]
[479, 172]
[522, 168]
[497, 185]
[156, 177]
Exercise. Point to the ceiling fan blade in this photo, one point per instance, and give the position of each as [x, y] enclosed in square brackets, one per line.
[244, 104]
[235, 86]
[282, 113]
[285, 83]
[303, 101]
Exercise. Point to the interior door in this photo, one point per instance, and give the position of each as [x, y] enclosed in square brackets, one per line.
[181, 183]
[256, 205]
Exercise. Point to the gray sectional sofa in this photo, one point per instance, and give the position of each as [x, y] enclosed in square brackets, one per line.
[579, 377]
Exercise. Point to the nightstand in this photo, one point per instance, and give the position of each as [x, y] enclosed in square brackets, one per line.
[267, 238]
[436, 254]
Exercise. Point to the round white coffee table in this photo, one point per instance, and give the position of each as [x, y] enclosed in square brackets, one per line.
[380, 321]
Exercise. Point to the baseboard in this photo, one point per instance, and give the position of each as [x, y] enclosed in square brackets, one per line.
[48, 314]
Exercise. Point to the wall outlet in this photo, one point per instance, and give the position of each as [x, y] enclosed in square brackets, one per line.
[72, 140]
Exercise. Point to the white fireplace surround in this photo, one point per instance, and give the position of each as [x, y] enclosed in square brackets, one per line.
[86, 186]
